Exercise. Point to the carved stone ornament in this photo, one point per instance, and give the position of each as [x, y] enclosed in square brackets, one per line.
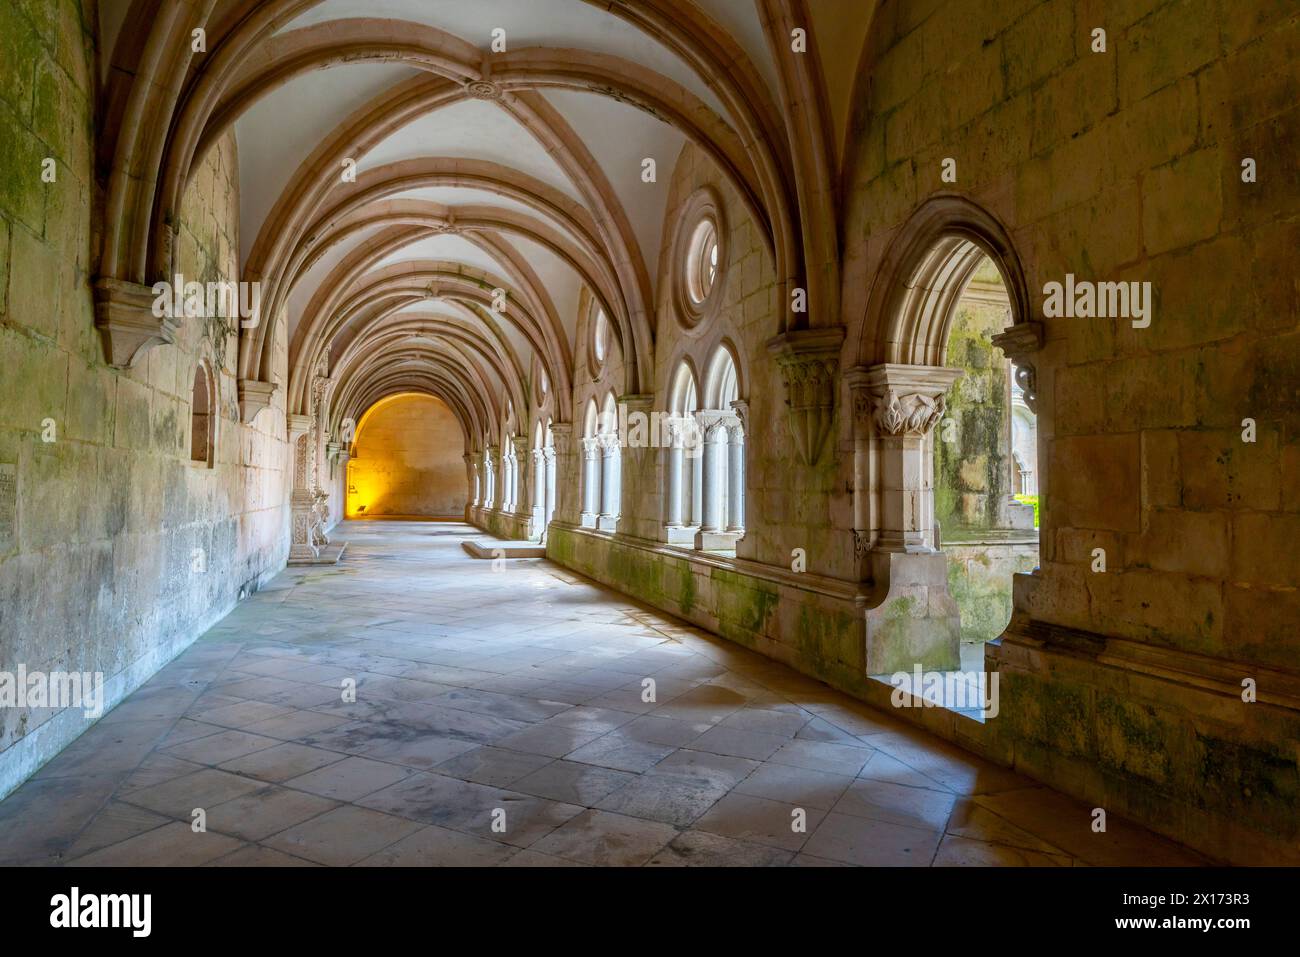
[911, 414]
[483, 90]
[808, 360]
[1019, 343]
[899, 400]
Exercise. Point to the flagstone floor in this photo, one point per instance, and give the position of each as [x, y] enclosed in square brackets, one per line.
[499, 720]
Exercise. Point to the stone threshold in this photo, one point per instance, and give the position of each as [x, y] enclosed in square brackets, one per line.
[503, 548]
[329, 555]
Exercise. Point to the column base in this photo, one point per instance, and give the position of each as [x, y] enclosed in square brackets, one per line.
[606, 523]
[717, 541]
[325, 555]
[680, 534]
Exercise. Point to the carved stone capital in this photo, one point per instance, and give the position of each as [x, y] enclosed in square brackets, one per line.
[808, 360]
[912, 414]
[637, 402]
[561, 436]
[900, 399]
[254, 396]
[126, 322]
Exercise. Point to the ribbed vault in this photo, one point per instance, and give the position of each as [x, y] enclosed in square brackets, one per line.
[473, 150]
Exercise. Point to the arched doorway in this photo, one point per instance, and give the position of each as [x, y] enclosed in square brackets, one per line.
[937, 527]
[408, 461]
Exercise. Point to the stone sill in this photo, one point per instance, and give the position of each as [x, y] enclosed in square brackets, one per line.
[1026, 640]
[857, 592]
[992, 536]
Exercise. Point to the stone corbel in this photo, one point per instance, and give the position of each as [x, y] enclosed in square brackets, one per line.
[1019, 343]
[254, 396]
[124, 316]
[297, 424]
[808, 360]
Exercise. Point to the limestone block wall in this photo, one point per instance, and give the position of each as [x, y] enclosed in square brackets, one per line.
[115, 551]
[788, 506]
[812, 617]
[1125, 686]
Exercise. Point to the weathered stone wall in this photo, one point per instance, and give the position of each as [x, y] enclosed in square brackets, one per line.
[408, 460]
[972, 445]
[115, 551]
[809, 617]
[1126, 165]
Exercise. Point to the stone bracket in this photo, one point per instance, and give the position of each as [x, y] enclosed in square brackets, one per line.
[808, 360]
[126, 322]
[254, 396]
[1019, 343]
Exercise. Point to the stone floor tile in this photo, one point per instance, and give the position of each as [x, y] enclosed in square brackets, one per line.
[602, 838]
[173, 845]
[350, 778]
[343, 836]
[867, 842]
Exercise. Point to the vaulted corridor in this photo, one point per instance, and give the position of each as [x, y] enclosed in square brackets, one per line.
[514, 686]
[646, 432]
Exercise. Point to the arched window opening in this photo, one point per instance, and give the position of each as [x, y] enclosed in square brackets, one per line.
[683, 474]
[202, 418]
[611, 485]
[590, 466]
[984, 452]
[600, 335]
[702, 261]
[721, 428]
[698, 258]
[601, 479]
[548, 451]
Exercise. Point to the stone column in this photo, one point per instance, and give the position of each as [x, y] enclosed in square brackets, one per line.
[550, 490]
[302, 497]
[906, 401]
[713, 465]
[489, 471]
[506, 500]
[539, 493]
[675, 459]
[591, 485]
[695, 456]
[637, 486]
[609, 482]
[471, 485]
[518, 478]
[735, 478]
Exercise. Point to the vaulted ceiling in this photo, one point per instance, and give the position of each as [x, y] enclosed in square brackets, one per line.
[402, 160]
